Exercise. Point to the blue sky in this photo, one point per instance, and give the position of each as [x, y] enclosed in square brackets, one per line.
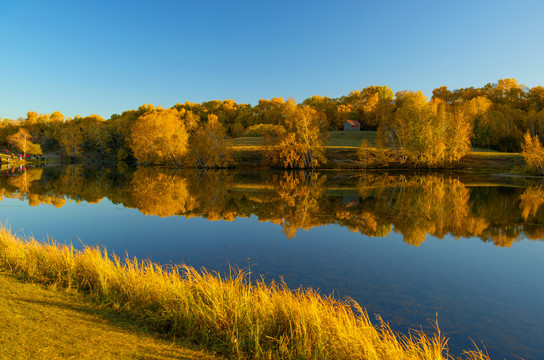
[104, 57]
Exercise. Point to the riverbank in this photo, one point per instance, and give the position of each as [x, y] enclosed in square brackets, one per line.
[232, 316]
[341, 153]
[39, 323]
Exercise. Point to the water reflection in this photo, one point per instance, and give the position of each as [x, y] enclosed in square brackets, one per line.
[412, 205]
[479, 291]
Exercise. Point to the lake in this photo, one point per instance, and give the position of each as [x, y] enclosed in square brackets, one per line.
[412, 247]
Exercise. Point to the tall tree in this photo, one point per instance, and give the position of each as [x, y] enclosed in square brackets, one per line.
[299, 143]
[533, 153]
[21, 140]
[159, 137]
[209, 145]
[71, 138]
[428, 133]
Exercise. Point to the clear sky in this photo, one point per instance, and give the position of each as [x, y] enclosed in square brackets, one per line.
[104, 57]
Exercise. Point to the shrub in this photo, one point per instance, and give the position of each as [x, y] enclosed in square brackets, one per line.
[533, 153]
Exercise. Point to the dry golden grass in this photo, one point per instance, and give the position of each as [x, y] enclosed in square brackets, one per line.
[248, 142]
[229, 315]
[38, 323]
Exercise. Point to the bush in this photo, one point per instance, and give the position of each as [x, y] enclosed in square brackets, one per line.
[533, 153]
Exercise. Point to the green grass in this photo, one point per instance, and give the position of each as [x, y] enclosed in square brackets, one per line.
[38, 323]
[231, 315]
[350, 139]
[337, 139]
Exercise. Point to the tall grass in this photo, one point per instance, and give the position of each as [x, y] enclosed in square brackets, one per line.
[229, 315]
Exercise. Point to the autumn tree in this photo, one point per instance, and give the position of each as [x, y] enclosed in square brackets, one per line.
[342, 114]
[329, 107]
[300, 139]
[369, 105]
[427, 133]
[21, 140]
[269, 111]
[209, 145]
[367, 156]
[99, 137]
[70, 138]
[533, 153]
[477, 109]
[159, 137]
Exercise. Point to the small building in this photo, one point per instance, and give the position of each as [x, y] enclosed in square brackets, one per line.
[350, 200]
[352, 125]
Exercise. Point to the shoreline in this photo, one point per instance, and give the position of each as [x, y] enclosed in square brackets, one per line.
[232, 316]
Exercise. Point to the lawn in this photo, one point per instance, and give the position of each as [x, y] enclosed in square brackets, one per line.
[352, 140]
[36, 323]
[337, 140]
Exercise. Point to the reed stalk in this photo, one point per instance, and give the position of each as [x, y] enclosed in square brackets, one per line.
[226, 314]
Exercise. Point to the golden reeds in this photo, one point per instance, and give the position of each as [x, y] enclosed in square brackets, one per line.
[229, 315]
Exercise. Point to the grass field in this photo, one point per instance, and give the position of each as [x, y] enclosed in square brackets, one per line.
[247, 142]
[337, 139]
[352, 139]
[232, 316]
[36, 323]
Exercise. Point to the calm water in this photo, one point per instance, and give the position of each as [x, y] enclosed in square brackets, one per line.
[409, 247]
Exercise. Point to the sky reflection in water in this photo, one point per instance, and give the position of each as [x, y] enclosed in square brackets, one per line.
[490, 291]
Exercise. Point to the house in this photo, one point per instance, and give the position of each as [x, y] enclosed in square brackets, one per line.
[350, 200]
[352, 125]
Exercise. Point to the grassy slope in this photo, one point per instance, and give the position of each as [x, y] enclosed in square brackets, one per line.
[337, 139]
[36, 323]
[341, 147]
[231, 316]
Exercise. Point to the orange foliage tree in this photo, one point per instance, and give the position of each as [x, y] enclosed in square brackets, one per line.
[21, 140]
[209, 145]
[300, 139]
[159, 137]
[533, 153]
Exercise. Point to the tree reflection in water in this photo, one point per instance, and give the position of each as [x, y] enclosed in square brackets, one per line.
[413, 205]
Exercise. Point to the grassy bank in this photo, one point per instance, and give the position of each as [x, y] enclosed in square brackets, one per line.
[229, 316]
[341, 153]
[37, 323]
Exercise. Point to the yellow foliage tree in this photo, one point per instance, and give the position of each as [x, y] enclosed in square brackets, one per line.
[533, 153]
[210, 146]
[159, 137]
[99, 137]
[429, 134]
[299, 143]
[21, 140]
[71, 139]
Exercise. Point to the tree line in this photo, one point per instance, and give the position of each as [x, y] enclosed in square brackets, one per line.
[410, 127]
